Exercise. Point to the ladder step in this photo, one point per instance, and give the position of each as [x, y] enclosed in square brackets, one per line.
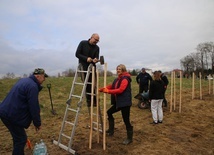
[66, 136]
[78, 83]
[100, 130]
[81, 71]
[77, 96]
[90, 94]
[69, 123]
[64, 147]
[74, 110]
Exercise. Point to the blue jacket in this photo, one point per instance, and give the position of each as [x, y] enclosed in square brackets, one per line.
[21, 105]
[143, 79]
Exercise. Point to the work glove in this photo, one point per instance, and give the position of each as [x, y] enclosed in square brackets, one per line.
[101, 89]
[105, 90]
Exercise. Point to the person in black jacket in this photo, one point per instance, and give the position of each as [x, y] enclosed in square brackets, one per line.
[21, 107]
[88, 52]
[156, 93]
[166, 82]
[143, 79]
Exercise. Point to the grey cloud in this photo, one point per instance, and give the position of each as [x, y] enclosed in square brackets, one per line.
[154, 34]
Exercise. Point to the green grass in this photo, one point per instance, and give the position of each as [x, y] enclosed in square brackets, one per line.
[61, 87]
[194, 119]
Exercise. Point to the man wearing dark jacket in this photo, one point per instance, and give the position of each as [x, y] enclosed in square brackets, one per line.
[143, 79]
[166, 82]
[88, 53]
[21, 107]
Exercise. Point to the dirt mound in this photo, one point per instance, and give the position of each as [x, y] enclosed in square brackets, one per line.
[188, 132]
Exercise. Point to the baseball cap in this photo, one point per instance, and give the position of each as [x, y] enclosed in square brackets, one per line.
[39, 71]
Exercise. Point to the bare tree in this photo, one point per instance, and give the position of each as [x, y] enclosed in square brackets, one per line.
[202, 60]
[188, 64]
[9, 76]
[210, 54]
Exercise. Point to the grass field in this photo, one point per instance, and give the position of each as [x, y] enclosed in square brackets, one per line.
[188, 132]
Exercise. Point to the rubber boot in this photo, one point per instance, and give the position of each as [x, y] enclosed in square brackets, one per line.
[110, 131]
[129, 136]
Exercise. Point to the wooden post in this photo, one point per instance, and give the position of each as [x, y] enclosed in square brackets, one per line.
[104, 109]
[98, 105]
[180, 91]
[193, 85]
[174, 90]
[91, 111]
[209, 85]
[171, 91]
[200, 86]
[213, 84]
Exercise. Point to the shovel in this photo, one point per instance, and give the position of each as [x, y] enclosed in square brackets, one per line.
[49, 89]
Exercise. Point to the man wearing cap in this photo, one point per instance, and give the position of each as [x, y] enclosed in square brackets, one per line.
[143, 79]
[21, 106]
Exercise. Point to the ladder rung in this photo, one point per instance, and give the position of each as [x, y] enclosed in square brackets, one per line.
[77, 96]
[82, 71]
[94, 114]
[64, 147]
[66, 136]
[97, 123]
[69, 123]
[96, 129]
[78, 83]
[91, 94]
[74, 110]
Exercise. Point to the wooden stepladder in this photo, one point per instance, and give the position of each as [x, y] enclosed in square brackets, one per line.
[73, 107]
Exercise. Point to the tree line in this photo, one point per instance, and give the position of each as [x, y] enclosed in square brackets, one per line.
[200, 61]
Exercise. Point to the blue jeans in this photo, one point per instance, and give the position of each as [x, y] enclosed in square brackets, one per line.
[19, 137]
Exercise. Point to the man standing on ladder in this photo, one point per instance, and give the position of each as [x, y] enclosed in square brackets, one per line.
[88, 52]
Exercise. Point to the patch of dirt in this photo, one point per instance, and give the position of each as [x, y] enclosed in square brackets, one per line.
[188, 132]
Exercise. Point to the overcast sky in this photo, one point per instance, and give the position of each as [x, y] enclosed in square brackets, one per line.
[153, 34]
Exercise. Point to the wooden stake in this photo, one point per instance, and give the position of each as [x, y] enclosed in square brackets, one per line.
[171, 91]
[213, 84]
[209, 86]
[174, 89]
[193, 85]
[91, 111]
[104, 109]
[200, 86]
[180, 91]
[98, 105]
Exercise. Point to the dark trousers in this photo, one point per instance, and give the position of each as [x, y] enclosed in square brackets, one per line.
[125, 111]
[88, 87]
[19, 137]
[143, 88]
[164, 98]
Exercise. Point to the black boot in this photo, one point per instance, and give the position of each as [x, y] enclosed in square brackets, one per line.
[129, 136]
[110, 131]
